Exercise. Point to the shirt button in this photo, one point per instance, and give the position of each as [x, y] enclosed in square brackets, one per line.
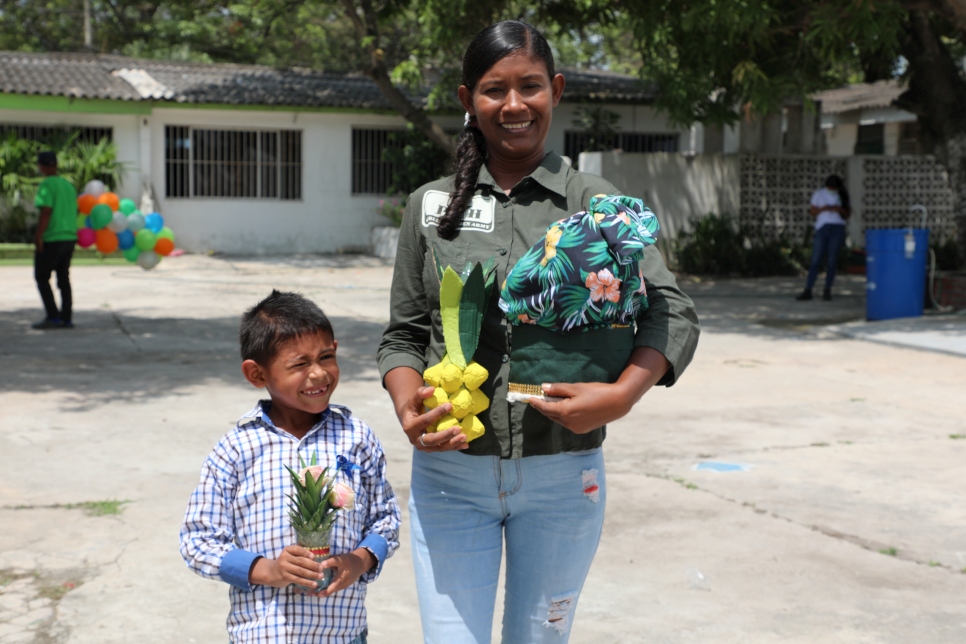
[505, 358]
[502, 251]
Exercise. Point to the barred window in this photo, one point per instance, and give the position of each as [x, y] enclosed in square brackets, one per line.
[387, 161]
[253, 164]
[577, 142]
[56, 134]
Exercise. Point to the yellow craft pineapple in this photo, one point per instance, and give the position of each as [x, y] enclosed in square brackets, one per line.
[438, 398]
[472, 427]
[462, 402]
[474, 375]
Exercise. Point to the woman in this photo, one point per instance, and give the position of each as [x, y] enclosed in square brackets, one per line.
[830, 206]
[536, 477]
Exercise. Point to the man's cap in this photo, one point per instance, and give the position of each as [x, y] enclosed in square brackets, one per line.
[47, 158]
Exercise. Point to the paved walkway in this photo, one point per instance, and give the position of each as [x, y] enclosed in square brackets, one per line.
[800, 484]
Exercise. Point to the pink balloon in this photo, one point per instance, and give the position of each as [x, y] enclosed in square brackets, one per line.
[85, 237]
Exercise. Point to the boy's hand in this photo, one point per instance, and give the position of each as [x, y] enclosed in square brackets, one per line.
[294, 566]
[347, 569]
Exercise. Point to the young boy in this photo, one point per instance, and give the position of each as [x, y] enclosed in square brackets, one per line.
[237, 528]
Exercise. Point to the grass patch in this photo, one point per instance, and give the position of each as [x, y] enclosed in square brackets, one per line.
[90, 508]
[856, 399]
[819, 444]
[957, 437]
[7, 577]
[934, 564]
[845, 442]
[55, 591]
[684, 482]
[892, 552]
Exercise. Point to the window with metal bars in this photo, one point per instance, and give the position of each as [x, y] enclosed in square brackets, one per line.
[253, 164]
[577, 142]
[56, 134]
[395, 160]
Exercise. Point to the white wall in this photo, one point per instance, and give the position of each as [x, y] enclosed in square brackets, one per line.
[840, 140]
[327, 219]
[676, 187]
[125, 136]
[634, 118]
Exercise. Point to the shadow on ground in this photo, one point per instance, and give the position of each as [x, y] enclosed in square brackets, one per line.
[118, 357]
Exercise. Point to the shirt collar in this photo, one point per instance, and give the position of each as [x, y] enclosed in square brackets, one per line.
[259, 415]
[551, 174]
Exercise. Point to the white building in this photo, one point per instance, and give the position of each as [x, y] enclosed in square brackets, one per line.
[861, 119]
[246, 159]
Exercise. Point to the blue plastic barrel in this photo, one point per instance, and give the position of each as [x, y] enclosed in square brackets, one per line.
[895, 268]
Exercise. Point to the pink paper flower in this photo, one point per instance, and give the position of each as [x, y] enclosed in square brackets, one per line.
[315, 470]
[342, 497]
[603, 286]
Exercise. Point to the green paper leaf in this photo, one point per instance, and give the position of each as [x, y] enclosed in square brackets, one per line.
[450, 291]
[465, 273]
[439, 267]
[472, 306]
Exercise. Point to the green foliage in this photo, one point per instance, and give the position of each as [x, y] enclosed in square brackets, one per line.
[715, 245]
[393, 210]
[77, 161]
[718, 59]
[600, 124]
[414, 158]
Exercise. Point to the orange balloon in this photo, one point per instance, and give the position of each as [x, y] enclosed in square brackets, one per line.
[164, 246]
[105, 240]
[85, 202]
[111, 200]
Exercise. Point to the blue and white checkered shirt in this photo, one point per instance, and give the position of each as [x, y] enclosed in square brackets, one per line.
[239, 511]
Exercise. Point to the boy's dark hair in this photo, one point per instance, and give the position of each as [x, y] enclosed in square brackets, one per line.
[277, 319]
[47, 159]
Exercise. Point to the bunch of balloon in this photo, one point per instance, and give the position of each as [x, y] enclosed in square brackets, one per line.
[110, 223]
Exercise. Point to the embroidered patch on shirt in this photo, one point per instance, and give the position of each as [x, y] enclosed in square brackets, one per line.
[480, 216]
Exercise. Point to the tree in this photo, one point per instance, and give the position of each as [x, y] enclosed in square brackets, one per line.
[716, 60]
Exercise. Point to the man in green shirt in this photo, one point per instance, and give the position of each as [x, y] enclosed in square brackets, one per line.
[55, 239]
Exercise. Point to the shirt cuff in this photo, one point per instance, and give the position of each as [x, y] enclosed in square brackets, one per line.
[379, 547]
[395, 360]
[235, 568]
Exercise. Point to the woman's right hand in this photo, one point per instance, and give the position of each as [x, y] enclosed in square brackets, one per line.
[415, 423]
[408, 394]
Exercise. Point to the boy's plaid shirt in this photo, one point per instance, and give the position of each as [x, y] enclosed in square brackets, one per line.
[239, 511]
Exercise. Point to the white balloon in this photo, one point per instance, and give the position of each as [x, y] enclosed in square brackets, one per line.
[118, 223]
[135, 221]
[148, 259]
[95, 188]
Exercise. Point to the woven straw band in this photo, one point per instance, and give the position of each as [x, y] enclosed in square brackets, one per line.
[530, 390]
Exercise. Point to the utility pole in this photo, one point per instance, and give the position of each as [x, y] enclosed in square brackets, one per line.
[88, 38]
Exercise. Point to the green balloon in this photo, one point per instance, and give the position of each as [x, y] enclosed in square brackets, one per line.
[128, 206]
[145, 239]
[81, 221]
[166, 233]
[131, 254]
[101, 216]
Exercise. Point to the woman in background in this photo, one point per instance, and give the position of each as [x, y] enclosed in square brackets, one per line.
[831, 208]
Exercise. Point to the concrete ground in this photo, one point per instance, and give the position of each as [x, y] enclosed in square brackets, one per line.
[839, 516]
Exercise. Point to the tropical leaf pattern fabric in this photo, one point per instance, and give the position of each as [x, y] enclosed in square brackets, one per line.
[584, 273]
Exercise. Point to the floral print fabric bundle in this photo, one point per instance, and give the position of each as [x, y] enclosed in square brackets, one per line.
[584, 275]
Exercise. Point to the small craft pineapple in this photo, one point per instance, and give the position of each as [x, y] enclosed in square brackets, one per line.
[456, 378]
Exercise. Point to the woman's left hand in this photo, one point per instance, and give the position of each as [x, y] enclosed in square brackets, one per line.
[588, 405]
[585, 406]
